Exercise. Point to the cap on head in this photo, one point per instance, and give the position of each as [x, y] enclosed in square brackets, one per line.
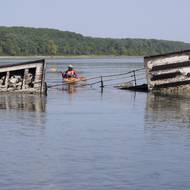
[70, 66]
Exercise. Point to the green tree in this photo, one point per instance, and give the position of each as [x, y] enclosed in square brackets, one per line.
[52, 48]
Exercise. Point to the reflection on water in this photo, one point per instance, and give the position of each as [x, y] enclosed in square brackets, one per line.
[24, 102]
[166, 146]
[165, 109]
[83, 140]
[22, 110]
[70, 88]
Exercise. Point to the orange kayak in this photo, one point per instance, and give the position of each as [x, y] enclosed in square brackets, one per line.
[74, 80]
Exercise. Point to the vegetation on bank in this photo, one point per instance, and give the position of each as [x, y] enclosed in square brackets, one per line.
[22, 41]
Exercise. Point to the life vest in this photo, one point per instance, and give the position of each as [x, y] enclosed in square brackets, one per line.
[71, 73]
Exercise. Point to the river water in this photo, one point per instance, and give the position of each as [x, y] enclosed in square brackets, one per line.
[82, 138]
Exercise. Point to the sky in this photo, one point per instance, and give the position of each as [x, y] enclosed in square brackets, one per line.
[159, 19]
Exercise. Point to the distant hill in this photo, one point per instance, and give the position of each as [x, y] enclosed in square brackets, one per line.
[23, 41]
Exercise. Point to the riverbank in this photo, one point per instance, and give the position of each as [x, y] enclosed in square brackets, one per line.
[69, 57]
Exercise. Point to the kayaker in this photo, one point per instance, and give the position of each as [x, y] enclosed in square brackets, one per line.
[70, 73]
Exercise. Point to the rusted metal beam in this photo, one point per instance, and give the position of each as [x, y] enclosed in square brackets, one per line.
[172, 84]
[23, 63]
[171, 66]
[165, 76]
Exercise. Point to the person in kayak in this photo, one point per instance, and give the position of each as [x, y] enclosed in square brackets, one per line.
[70, 73]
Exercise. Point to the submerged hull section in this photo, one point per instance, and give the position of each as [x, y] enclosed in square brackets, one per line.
[26, 77]
[169, 73]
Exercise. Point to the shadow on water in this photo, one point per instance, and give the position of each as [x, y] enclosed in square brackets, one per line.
[25, 102]
[167, 110]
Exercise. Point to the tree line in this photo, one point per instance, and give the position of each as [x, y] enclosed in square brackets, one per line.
[24, 41]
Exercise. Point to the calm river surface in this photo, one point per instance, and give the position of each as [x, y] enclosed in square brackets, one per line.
[82, 139]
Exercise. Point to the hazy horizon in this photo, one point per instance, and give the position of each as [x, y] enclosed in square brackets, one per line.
[143, 19]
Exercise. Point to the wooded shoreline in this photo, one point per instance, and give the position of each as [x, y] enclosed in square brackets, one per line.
[69, 57]
[25, 41]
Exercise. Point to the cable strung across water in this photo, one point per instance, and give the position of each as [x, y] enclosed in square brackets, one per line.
[130, 74]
